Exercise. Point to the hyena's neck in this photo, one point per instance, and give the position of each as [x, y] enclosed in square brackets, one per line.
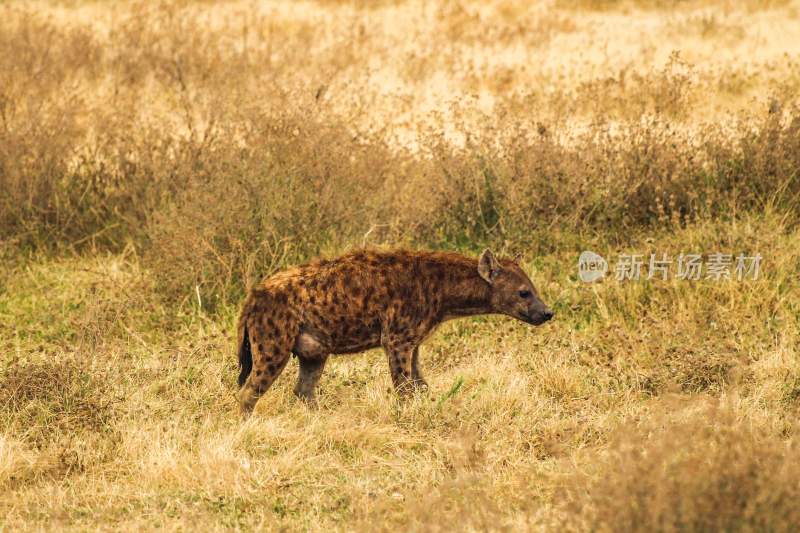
[466, 294]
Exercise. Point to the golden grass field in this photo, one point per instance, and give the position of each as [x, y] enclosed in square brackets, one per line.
[158, 158]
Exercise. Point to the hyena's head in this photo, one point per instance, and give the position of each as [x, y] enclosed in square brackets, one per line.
[512, 294]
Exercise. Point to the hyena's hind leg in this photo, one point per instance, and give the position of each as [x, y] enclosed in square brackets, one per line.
[308, 377]
[312, 357]
[270, 353]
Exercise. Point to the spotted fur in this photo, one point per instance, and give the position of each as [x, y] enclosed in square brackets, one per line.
[367, 299]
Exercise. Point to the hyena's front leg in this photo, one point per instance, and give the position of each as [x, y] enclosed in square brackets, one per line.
[401, 354]
[416, 377]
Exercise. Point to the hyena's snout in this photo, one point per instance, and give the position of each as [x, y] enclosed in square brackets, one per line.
[540, 315]
[538, 312]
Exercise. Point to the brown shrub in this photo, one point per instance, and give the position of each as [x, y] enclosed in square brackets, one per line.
[299, 189]
[304, 187]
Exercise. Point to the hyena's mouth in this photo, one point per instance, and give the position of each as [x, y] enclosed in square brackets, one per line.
[537, 319]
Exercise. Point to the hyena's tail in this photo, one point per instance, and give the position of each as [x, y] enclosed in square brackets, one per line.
[245, 354]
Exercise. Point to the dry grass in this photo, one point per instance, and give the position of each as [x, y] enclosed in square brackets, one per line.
[706, 470]
[158, 158]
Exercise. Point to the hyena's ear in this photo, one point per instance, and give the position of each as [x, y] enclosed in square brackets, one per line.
[488, 266]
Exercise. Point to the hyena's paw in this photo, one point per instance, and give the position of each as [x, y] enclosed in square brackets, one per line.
[247, 402]
[420, 385]
[410, 387]
[309, 398]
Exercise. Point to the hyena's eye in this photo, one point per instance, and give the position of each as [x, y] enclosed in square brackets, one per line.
[524, 294]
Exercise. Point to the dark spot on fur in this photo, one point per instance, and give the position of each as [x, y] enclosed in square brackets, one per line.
[405, 292]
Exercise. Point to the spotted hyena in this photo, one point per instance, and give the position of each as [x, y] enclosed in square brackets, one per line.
[368, 299]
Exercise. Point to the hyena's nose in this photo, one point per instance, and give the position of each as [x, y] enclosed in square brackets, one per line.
[547, 315]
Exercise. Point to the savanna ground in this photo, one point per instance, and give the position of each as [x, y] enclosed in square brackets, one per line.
[156, 159]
